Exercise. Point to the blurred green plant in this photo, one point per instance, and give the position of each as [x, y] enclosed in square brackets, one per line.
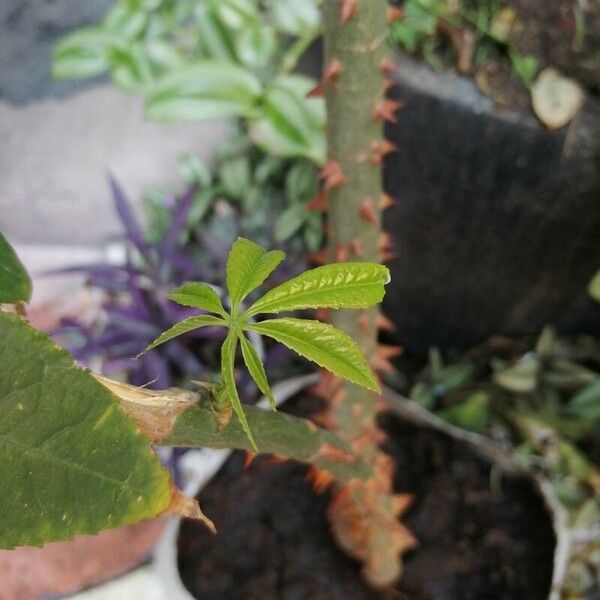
[218, 58]
[462, 33]
[267, 198]
[543, 400]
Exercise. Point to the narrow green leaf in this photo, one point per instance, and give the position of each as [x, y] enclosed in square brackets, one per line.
[227, 364]
[295, 17]
[290, 221]
[184, 326]
[81, 54]
[198, 295]
[204, 90]
[289, 122]
[586, 403]
[248, 265]
[339, 285]
[472, 414]
[214, 37]
[71, 461]
[323, 344]
[15, 285]
[256, 369]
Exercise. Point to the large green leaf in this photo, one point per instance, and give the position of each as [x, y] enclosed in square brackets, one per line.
[324, 344]
[70, 460]
[248, 265]
[256, 369]
[204, 90]
[198, 295]
[228, 375]
[184, 326]
[81, 54]
[15, 285]
[290, 123]
[339, 285]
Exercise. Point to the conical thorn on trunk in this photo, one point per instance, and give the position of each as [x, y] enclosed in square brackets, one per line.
[347, 9]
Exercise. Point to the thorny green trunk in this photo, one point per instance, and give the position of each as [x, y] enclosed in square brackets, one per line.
[353, 135]
[364, 515]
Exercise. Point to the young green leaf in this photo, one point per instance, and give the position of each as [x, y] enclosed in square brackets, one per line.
[15, 285]
[248, 265]
[256, 369]
[227, 362]
[323, 344]
[341, 285]
[184, 326]
[198, 295]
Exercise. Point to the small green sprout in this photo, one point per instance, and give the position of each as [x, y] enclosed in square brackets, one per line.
[343, 285]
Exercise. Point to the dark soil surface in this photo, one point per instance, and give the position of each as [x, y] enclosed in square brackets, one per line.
[478, 541]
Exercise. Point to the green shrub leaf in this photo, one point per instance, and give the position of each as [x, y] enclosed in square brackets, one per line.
[71, 461]
[15, 285]
[290, 124]
[198, 295]
[204, 90]
[256, 369]
[248, 265]
[227, 372]
[323, 344]
[184, 326]
[81, 54]
[295, 17]
[340, 285]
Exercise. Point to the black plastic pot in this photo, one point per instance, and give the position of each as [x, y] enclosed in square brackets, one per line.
[496, 225]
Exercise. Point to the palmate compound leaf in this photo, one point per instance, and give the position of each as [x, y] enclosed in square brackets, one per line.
[184, 326]
[227, 373]
[339, 285]
[198, 295]
[323, 344]
[248, 265]
[15, 285]
[256, 369]
[71, 461]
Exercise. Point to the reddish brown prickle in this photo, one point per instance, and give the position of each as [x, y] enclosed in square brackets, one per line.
[347, 9]
[357, 247]
[368, 213]
[332, 71]
[386, 110]
[341, 253]
[386, 202]
[379, 149]
[394, 13]
[332, 175]
[318, 203]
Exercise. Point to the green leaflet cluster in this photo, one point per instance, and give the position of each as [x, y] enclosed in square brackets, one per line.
[352, 285]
